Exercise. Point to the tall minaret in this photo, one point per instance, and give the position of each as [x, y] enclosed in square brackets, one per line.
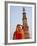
[25, 24]
[24, 17]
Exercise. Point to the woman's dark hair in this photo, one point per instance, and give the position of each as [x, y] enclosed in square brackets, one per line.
[22, 27]
[18, 25]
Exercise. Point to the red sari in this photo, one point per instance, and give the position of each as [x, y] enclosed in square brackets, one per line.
[17, 35]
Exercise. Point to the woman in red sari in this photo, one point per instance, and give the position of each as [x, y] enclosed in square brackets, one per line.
[19, 33]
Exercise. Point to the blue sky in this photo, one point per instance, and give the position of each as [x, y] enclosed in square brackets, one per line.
[16, 16]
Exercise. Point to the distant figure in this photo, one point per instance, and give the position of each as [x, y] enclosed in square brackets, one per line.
[19, 33]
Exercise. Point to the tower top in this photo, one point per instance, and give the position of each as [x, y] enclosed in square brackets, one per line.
[24, 14]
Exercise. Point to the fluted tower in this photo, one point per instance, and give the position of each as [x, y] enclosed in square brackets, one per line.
[24, 17]
[25, 24]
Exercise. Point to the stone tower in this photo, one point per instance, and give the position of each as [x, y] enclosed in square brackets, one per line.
[24, 17]
[25, 24]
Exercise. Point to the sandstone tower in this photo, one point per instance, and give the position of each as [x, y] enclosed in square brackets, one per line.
[25, 24]
[24, 17]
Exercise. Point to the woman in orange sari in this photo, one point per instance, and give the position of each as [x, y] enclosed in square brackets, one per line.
[19, 33]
